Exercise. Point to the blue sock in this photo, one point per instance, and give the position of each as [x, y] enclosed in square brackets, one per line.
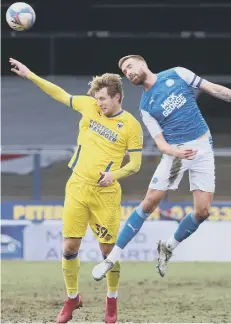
[132, 227]
[188, 225]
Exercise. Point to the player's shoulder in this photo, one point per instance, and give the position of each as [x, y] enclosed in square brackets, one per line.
[83, 99]
[171, 72]
[176, 73]
[127, 116]
[130, 122]
[87, 105]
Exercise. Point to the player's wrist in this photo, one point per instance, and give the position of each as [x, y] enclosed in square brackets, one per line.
[175, 153]
[171, 151]
[30, 75]
[115, 175]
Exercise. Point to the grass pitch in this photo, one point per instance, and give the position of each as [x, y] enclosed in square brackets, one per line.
[190, 292]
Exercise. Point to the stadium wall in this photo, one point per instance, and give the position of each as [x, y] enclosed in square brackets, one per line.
[31, 230]
[42, 242]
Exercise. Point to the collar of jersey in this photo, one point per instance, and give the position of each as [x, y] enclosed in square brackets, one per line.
[119, 113]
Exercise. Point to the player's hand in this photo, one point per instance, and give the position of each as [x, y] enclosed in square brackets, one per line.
[187, 154]
[19, 68]
[107, 179]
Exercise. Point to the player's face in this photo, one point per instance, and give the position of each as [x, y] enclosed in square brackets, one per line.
[134, 70]
[107, 104]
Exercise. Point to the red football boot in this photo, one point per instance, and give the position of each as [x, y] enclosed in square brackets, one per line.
[69, 306]
[111, 310]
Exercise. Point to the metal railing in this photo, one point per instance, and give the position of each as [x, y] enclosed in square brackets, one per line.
[37, 151]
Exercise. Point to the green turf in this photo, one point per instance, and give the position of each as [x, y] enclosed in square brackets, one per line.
[190, 292]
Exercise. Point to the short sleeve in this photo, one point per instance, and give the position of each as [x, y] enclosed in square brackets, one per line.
[151, 123]
[83, 104]
[135, 137]
[189, 77]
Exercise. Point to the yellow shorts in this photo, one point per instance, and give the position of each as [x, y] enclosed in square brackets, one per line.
[90, 204]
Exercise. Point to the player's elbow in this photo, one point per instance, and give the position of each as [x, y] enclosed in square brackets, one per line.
[137, 167]
[161, 143]
[61, 96]
[162, 147]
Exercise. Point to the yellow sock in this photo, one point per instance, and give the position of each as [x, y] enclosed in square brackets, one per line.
[71, 275]
[113, 278]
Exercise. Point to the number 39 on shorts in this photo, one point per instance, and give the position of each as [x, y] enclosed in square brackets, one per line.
[101, 231]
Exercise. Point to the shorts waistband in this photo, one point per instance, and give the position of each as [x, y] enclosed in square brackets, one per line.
[88, 181]
[199, 141]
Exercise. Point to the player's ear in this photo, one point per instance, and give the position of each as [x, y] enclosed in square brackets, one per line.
[144, 64]
[117, 97]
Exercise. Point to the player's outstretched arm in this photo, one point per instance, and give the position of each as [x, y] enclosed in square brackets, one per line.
[197, 82]
[165, 148]
[50, 88]
[216, 90]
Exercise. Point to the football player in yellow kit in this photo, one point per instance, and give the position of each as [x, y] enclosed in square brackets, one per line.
[93, 195]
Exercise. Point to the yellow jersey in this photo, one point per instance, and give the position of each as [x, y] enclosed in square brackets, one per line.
[103, 140]
[82, 130]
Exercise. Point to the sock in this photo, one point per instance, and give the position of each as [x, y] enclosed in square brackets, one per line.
[115, 254]
[172, 243]
[188, 225]
[131, 227]
[113, 277]
[71, 265]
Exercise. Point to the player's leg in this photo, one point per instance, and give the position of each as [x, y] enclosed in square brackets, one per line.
[173, 169]
[190, 223]
[105, 222]
[113, 277]
[202, 184]
[71, 265]
[130, 229]
[167, 176]
[75, 222]
[168, 173]
[136, 219]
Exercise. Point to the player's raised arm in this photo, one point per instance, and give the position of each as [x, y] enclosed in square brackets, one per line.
[78, 103]
[49, 88]
[216, 90]
[195, 81]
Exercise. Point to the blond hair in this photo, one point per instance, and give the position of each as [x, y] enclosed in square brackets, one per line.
[112, 82]
[125, 58]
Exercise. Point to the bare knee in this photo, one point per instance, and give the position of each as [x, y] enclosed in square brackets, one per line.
[106, 248]
[71, 245]
[201, 213]
[152, 200]
[202, 203]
